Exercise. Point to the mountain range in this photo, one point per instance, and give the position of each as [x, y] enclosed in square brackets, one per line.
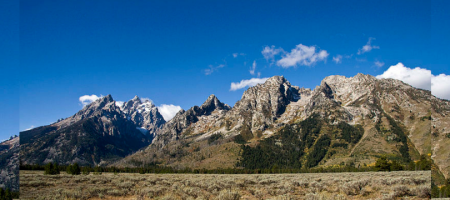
[344, 120]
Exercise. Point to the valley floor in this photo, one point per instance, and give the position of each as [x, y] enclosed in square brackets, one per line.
[361, 185]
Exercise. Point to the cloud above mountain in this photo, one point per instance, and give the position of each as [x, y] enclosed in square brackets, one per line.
[269, 53]
[368, 47]
[417, 77]
[337, 59]
[420, 78]
[252, 70]
[168, 111]
[247, 83]
[440, 86]
[302, 55]
[212, 68]
[87, 99]
[379, 64]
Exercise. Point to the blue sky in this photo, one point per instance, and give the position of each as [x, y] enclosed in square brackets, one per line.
[179, 52]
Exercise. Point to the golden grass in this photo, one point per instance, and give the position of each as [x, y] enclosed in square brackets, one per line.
[366, 185]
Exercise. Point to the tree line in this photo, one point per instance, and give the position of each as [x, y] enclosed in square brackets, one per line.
[382, 164]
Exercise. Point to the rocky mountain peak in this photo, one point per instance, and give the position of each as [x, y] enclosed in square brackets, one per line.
[276, 80]
[107, 98]
[211, 104]
[132, 104]
[106, 102]
[326, 90]
[272, 96]
[143, 113]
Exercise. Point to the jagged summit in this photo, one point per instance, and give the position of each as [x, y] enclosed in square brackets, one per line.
[108, 98]
[143, 113]
[276, 80]
[211, 104]
[361, 101]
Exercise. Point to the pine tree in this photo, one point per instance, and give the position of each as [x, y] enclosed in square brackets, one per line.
[8, 194]
[382, 164]
[74, 169]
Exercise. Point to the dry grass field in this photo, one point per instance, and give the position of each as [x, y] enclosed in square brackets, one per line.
[366, 185]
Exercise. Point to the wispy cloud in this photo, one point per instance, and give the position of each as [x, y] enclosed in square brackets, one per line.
[302, 55]
[417, 77]
[31, 127]
[379, 64]
[235, 55]
[368, 47]
[87, 99]
[168, 111]
[247, 83]
[337, 59]
[144, 99]
[269, 53]
[252, 70]
[212, 68]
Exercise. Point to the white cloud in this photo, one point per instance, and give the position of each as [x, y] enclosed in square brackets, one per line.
[168, 111]
[247, 83]
[337, 59]
[420, 78]
[259, 74]
[87, 99]
[302, 55]
[252, 71]
[269, 53]
[368, 47]
[379, 64]
[440, 86]
[417, 77]
[143, 99]
[31, 127]
[212, 69]
[361, 59]
[235, 55]
[119, 103]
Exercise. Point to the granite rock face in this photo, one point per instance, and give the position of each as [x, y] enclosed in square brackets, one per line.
[9, 164]
[144, 114]
[384, 109]
[98, 134]
[184, 120]
[440, 131]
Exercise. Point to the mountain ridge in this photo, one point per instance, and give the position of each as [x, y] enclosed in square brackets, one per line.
[393, 118]
[266, 108]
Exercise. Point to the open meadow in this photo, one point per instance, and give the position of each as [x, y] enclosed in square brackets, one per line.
[363, 185]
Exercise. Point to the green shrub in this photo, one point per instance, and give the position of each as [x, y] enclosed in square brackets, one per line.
[73, 169]
[214, 137]
[85, 171]
[396, 166]
[239, 139]
[382, 164]
[51, 169]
